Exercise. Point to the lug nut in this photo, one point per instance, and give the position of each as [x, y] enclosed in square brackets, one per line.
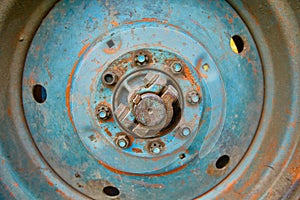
[141, 59]
[185, 131]
[103, 112]
[193, 97]
[109, 78]
[122, 141]
[155, 148]
[176, 67]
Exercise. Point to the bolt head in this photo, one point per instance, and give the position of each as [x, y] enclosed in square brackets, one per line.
[186, 131]
[176, 67]
[103, 112]
[141, 58]
[122, 141]
[193, 97]
[156, 150]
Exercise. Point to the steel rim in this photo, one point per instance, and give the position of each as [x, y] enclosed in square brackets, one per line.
[220, 187]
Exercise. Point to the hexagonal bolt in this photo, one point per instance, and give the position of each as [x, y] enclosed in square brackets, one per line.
[193, 97]
[176, 67]
[141, 59]
[109, 78]
[103, 112]
[155, 147]
[186, 131]
[122, 141]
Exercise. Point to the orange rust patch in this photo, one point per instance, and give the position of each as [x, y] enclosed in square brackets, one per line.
[16, 184]
[62, 194]
[145, 20]
[108, 132]
[115, 23]
[137, 150]
[68, 94]
[49, 182]
[144, 175]
[112, 50]
[9, 113]
[83, 49]
[293, 124]
[3, 162]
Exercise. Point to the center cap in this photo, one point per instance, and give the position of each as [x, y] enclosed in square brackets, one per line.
[150, 106]
[151, 111]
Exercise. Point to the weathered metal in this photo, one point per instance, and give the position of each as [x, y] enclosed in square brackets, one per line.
[58, 149]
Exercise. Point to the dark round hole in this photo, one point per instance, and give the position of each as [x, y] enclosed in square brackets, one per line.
[222, 161]
[239, 44]
[39, 93]
[108, 78]
[182, 156]
[111, 191]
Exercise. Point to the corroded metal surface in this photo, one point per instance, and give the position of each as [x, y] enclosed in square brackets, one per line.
[27, 175]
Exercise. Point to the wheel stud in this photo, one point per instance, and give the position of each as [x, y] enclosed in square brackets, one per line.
[193, 97]
[155, 147]
[122, 141]
[176, 67]
[103, 112]
[185, 131]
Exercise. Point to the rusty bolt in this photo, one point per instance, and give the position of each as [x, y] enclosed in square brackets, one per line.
[193, 97]
[176, 67]
[103, 112]
[155, 147]
[122, 141]
[109, 78]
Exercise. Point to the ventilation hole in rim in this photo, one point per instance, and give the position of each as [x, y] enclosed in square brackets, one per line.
[236, 44]
[111, 191]
[39, 93]
[222, 162]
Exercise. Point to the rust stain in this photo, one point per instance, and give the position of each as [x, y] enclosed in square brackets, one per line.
[83, 49]
[62, 194]
[137, 150]
[108, 132]
[68, 94]
[115, 23]
[146, 20]
[16, 184]
[9, 113]
[49, 182]
[3, 162]
[293, 124]
[143, 175]
[112, 50]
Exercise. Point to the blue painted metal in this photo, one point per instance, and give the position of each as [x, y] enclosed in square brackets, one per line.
[69, 62]
[66, 130]
[239, 82]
